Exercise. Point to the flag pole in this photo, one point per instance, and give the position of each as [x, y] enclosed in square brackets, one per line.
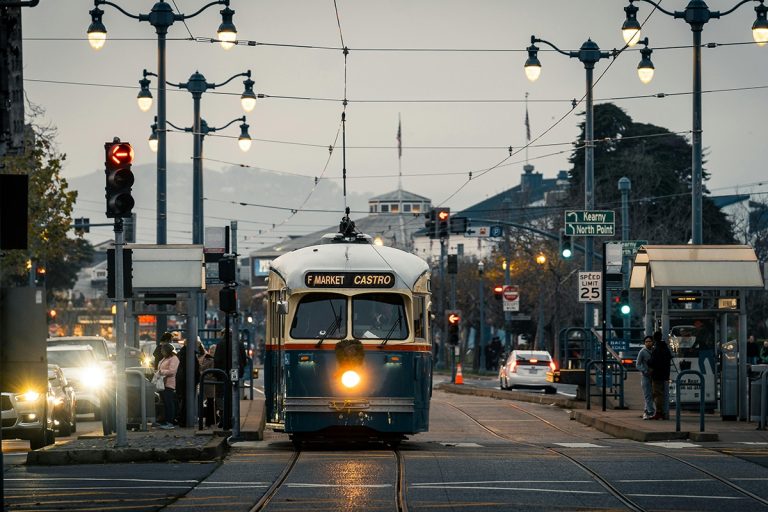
[399, 154]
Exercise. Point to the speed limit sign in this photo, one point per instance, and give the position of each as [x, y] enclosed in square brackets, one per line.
[590, 286]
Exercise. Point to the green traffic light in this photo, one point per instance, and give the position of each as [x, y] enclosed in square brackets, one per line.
[566, 253]
[625, 309]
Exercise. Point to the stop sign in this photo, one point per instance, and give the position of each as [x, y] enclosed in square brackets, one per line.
[511, 293]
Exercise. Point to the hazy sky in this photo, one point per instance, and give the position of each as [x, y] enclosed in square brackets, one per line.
[445, 138]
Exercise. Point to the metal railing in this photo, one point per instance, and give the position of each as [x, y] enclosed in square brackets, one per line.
[617, 374]
[678, 406]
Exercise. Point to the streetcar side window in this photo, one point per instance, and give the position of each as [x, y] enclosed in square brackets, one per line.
[419, 317]
[379, 316]
[320, 315]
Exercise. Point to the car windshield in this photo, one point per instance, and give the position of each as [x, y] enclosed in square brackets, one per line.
[71, 358]
[379, 316]
[99, 349]
[320, 316]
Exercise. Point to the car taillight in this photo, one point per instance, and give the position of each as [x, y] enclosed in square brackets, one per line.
[513, 367]
[552, 366]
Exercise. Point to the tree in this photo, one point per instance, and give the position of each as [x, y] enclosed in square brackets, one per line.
[50, 212]
[658, 163]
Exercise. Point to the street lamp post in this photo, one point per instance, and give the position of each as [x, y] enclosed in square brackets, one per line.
[589, 54]
[696, 14]
[541, 260]
[197, 85]
[161, 17]
[481, 298]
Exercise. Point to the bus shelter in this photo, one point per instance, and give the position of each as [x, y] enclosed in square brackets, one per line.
[690, 293]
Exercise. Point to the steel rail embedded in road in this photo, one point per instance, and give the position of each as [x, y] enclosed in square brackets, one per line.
[275, 487]
[400, 485]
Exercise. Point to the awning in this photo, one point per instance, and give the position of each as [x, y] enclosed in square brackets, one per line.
[697, 267]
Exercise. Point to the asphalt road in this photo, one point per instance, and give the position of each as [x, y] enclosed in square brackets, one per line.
[480, 454]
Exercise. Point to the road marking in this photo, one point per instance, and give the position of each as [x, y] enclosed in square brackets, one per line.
[362, 486]
[665, 480]
[687, 496]
[580, 445]
[506, 482]
[517, 489]
[753, 442]
[463, 445]
[674, 444]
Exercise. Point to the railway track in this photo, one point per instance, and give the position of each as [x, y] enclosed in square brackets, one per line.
[400, 486]
[626, 500]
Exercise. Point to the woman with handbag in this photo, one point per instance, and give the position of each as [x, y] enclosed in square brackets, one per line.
[166, 369]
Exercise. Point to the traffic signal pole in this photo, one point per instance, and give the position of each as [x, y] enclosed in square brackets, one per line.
[120, 388]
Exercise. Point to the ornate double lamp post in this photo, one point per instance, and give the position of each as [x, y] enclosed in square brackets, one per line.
[589, 54]
[161, 17]
[696, 14]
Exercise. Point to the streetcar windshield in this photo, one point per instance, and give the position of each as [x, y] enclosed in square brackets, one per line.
[379, 316]
[320, 315]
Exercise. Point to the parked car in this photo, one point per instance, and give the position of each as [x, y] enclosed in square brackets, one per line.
[84, 372]
[527, 369]
[99, 345]
[65, 403]
[28, 416]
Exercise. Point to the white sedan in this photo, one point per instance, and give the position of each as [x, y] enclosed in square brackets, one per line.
[527, 369]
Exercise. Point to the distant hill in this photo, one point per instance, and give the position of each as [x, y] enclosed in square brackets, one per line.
[221, 189]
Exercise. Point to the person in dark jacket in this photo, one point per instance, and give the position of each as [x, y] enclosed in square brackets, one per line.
[659, 363]
[167, 337]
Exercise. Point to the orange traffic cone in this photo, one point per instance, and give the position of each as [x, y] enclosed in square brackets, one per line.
[459, 377]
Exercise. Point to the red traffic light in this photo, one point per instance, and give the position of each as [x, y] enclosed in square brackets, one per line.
[443, 215]
[454, 318]
[120, 154]
[498, 289]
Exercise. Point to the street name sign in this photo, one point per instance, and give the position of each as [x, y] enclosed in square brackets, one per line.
[590, 223]
[511, 296]
[590, 287]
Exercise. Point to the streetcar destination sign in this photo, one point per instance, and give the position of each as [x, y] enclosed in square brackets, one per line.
[349, 279]
[590, 223]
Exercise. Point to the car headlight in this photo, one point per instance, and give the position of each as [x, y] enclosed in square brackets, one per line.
[29, 396]
[350, 378]
[146, 361]
[93, 377]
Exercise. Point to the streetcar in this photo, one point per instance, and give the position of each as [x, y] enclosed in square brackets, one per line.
[348, 355]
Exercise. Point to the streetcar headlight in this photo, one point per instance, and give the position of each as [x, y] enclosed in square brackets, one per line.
[350, 378]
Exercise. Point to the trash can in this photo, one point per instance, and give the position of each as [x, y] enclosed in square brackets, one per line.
[729, 381]
[133, 378]
[756, 390]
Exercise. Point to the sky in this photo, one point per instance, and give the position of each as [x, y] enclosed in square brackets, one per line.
[461, 104]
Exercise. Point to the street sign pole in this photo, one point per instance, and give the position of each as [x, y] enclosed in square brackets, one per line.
[603, 351]
[120, 387]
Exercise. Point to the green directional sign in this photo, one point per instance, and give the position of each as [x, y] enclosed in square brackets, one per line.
[590, 223]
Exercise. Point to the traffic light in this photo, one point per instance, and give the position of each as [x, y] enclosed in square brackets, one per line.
[430, 224]
[443, 220]
[119, 157]
[454, 319]
[624, 307]
[498, 291]
[566, 246]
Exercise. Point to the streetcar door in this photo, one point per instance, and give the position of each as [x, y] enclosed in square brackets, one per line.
[275, 387]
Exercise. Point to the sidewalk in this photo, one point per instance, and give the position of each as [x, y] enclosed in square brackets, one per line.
[179, 444]
[628, 423]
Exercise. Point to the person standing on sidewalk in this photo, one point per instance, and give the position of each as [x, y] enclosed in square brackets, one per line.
[659, 363]
[167, 368]
[645, 377]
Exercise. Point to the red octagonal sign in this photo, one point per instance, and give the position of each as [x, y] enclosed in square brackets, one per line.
[511, 292]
